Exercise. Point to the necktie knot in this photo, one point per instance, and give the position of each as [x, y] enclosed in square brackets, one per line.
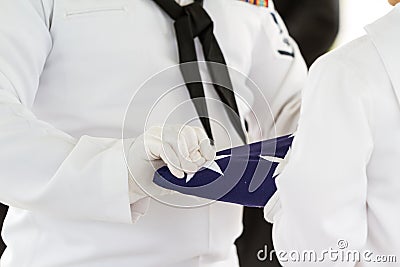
[198, 19]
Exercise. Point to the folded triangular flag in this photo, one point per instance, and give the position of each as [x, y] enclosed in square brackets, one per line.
[243, 175]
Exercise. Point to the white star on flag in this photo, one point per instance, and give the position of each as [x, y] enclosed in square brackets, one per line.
[212, 165]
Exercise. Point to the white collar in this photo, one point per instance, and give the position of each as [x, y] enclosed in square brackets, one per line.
[385, 34]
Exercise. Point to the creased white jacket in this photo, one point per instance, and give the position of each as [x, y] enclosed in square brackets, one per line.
[341, 187]
[68, 70]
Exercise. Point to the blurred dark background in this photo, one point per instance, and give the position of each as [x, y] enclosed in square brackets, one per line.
[3, 212]
[314, 24]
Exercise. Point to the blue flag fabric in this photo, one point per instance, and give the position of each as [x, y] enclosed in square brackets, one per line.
[243, 175]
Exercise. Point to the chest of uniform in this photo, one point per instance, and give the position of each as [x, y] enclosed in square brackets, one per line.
[137, 32]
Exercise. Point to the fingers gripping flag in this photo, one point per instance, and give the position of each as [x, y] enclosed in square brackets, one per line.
[243, 175]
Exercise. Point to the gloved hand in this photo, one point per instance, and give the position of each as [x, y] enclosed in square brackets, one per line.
[274, 206]
[184, 149]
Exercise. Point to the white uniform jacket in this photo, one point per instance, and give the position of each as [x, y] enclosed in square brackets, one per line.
[340, 190]
[68, 69]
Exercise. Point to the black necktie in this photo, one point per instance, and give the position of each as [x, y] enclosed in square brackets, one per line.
[193, 21]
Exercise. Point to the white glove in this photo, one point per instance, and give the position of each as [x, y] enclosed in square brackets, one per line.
[184, 149]
[274, 205]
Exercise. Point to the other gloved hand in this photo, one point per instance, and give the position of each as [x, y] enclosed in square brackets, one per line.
[274, 206]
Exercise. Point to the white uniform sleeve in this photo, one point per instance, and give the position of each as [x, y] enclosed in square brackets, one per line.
[323, 189]
[278, 69]
[43, 169]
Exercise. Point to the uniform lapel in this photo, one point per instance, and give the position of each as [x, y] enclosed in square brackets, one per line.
[385, 34]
